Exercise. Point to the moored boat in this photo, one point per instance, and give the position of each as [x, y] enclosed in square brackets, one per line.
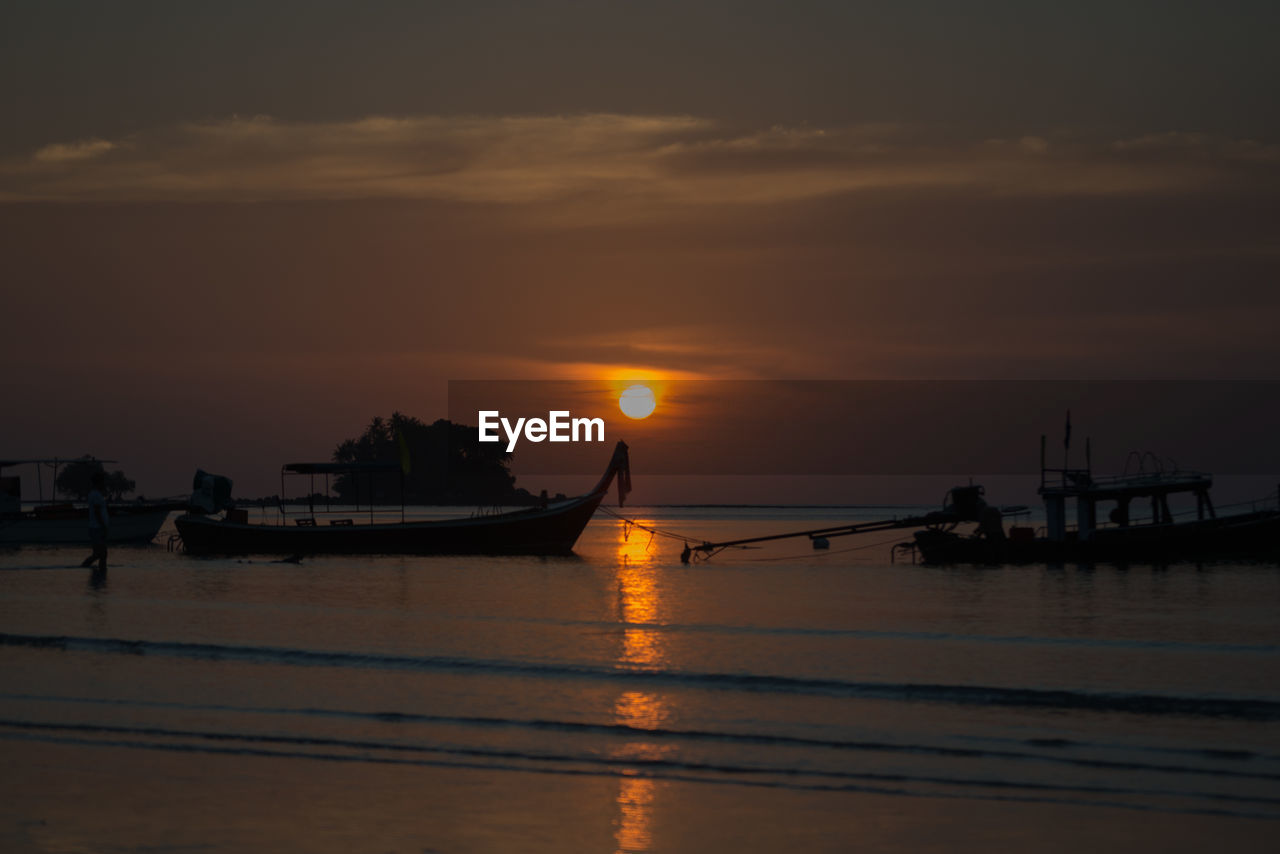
[1139, 525]
[551, 529]
[66, 523]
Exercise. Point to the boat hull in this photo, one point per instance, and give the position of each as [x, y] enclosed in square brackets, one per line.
[536, 531]
[129, 526]
[1253, 535]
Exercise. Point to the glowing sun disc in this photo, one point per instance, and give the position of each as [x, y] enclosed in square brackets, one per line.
[637, 402]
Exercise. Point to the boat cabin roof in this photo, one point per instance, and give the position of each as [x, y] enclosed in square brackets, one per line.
[1080, 483]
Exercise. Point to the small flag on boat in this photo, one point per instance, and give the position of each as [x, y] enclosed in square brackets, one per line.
[624, 485]
[620, 466]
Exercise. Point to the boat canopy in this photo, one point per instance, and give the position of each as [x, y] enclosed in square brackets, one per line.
[369, 469]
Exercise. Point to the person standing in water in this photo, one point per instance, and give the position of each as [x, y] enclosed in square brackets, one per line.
[99, 524]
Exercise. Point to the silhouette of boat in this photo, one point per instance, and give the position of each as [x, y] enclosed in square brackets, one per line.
[67, 523]
[546, 530]
[1138, 527]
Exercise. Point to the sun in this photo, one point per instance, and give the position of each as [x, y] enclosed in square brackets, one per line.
[637, 401]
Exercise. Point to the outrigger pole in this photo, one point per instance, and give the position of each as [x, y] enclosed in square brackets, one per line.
[962, 504]
[934, 518]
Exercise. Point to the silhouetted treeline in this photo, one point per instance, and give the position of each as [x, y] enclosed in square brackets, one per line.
[76, 480]
[443, 463]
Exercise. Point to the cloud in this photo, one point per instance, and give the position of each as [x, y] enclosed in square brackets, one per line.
[68, 152]
[489, 160]
[636, 163]
[679, 349]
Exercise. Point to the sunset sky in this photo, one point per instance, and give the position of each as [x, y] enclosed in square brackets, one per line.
[231, 233]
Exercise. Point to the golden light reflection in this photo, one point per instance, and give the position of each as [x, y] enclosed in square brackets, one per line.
[640, 611]
[635, 815]
[638, 607]
[641, 647]
[634, 548]
[642, 710]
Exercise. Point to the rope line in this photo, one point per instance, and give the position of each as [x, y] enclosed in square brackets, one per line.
[628, 525]
[823, 552]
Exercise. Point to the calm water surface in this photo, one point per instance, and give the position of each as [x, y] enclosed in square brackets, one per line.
[771, 699]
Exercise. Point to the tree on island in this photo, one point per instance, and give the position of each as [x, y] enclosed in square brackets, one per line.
[76, 480]
[442, 463]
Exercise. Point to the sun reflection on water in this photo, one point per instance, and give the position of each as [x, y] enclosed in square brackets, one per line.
[638, 601]
[640, 709]
[643, 646]
[635, 808]
[636, 546]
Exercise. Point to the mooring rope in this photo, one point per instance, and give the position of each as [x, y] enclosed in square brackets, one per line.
[687, 541]
[629, 524]
[823, 552]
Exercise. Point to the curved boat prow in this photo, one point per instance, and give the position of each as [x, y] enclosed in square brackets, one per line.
[550, 529]
[620, 467]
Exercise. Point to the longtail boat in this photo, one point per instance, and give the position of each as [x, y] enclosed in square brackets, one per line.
[552, 529]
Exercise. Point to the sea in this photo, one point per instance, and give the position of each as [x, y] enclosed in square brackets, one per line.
[774, 698]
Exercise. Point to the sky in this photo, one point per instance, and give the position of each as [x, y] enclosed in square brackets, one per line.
[233, 233]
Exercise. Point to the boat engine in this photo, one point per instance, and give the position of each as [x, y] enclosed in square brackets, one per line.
[965, 503]
[211, 492]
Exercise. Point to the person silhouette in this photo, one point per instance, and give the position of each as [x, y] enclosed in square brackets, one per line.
[99, 524]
